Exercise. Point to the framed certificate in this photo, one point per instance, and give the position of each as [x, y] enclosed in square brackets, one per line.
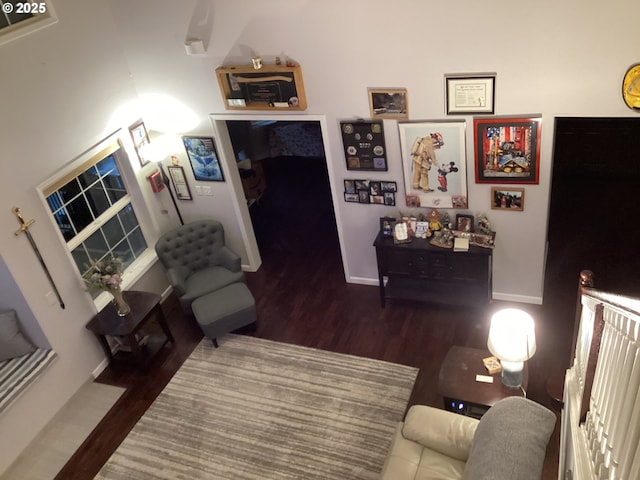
[468, 94]
[180, 185]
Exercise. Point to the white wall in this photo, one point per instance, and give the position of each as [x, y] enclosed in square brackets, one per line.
[551, 59]
[62, 86]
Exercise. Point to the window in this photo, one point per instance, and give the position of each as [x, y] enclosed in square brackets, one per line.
[93, 211]
[21, 17]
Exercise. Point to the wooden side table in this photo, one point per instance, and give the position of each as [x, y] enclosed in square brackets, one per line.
[458, 386]
[145, 307]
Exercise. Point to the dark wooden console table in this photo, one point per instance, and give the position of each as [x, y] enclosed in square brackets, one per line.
[422, 272]
[145, 307]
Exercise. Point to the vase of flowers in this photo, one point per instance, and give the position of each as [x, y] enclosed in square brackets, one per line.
[106, 275]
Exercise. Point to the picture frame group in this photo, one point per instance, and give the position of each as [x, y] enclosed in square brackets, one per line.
[370, 192]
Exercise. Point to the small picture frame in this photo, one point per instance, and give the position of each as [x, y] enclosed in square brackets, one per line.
[464, 223]
[389, 199]
[389, 186]
[179, 181]
[388, 103]
[470, 93]
[351, 197]
[507, 198]
[386, 226]
[203, 158]
[349, 186]
[140, 138]
[364, 196]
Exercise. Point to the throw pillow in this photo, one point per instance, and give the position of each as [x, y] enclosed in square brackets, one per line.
[510, 441]
[12, 342]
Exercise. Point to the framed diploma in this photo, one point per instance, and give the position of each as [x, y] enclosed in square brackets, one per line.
[468, 94]
[180, 185]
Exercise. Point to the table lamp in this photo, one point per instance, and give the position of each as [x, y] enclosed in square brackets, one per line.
[512, 339]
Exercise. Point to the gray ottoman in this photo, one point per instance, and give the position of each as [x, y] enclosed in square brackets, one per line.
[224, 310]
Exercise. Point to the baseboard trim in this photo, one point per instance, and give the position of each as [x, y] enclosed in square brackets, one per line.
[100, 368]
[373, 282]
[509, 297]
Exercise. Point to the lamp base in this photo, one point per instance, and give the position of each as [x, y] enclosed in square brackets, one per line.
[512, 374]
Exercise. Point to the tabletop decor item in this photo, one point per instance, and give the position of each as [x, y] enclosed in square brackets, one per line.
[106, 275]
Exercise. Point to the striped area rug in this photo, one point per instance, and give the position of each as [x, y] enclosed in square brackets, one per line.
[257, 409]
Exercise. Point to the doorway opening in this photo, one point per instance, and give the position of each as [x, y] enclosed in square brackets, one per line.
[283, 169]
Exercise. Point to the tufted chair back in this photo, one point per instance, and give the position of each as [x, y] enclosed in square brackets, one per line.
[197, 261]
[194, 245]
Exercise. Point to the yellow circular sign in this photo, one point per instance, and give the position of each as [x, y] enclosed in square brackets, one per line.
[631, 87]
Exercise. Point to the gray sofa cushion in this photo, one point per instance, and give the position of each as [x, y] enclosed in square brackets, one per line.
[12, 342]
[511, 441]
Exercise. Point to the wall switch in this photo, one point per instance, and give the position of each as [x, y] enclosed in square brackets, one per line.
[207, 191]
[51, 298]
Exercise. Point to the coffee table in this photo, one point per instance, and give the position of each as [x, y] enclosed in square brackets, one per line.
[140, 348]
[458, 386]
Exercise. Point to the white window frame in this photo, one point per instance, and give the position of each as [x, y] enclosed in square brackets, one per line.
[26, 27]
[148, 257]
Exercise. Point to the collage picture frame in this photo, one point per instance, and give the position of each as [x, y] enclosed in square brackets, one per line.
[378, 192]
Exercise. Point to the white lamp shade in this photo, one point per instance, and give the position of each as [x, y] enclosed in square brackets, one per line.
[512, 336]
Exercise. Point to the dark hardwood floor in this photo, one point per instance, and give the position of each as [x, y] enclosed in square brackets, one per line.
[302, 298]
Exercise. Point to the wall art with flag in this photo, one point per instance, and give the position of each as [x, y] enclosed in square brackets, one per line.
[507, 149]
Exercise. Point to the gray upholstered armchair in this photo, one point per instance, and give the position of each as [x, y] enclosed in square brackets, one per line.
[197, 260]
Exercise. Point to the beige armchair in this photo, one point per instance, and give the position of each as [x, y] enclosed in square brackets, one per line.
[197, 260]
[508, 443]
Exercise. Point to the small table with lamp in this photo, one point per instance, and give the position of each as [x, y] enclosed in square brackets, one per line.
[464, 382]
[458, 386]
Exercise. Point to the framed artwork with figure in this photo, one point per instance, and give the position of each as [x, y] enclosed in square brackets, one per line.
[203, 158]
[433, 163]
[507, 149]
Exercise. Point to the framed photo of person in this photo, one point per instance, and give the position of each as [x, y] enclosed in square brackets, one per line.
[433, 163]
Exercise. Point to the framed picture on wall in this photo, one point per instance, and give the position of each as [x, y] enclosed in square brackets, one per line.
[388, 103]
[470, 93]
[433, 163]
[140, 138]
[364, 145]
[180, 185]
[507, 198]
[203, 158]
[507, 149]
